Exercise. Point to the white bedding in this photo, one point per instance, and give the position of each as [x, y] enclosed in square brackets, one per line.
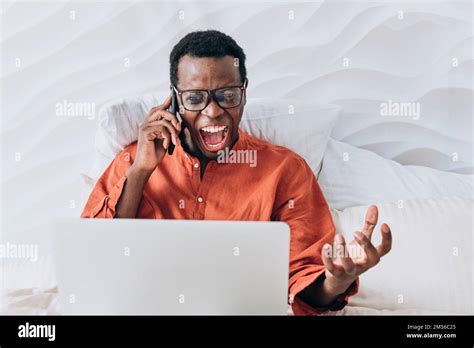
[351, 177]
[32, 301]
[430, 266]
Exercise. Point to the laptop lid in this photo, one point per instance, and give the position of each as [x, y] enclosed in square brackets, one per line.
[171, 267]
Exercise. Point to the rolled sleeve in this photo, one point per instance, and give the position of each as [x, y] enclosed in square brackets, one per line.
[107, 204]
[299, 307]
[108, 189]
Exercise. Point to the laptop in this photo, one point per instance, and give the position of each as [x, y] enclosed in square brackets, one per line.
[171, 267]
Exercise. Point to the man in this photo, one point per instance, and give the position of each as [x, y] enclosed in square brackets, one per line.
[207, 71]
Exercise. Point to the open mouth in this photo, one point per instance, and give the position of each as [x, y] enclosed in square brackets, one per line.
[214, 138]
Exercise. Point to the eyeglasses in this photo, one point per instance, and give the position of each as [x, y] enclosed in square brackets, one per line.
[199, 99]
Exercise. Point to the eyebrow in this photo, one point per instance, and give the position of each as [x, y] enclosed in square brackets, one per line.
[232, 84]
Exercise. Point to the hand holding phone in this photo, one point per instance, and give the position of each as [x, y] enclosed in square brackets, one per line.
[157, 133]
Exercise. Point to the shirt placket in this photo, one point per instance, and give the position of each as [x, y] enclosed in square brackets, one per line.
[200, 199]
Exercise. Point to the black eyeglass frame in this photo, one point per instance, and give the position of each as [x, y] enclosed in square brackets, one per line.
[210, 95]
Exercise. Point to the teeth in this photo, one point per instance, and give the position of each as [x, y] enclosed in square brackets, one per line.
[213, 129]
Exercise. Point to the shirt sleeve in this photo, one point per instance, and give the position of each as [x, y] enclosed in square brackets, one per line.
[300, 203]
[108, 189]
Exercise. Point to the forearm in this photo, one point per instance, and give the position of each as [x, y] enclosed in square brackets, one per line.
[129, 202]
[323, 292]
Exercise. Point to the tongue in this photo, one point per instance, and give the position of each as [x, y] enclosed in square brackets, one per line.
[213, 138]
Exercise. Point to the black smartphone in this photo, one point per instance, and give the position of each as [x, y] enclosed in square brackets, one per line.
[174, 110]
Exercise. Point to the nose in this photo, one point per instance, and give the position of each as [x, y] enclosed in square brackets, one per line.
[213, 110]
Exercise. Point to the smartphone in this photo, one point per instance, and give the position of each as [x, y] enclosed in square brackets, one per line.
[174, 110]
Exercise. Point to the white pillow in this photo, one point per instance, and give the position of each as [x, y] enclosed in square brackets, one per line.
[119, 122]
[351, 176]
[430, 265]
[304, 128]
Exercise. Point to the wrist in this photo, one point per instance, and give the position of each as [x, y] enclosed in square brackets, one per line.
[338, 286]
[142, 174]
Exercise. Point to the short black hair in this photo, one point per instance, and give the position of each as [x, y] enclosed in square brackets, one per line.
[207, 43]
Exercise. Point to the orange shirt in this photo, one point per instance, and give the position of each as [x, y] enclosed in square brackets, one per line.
[280, 187]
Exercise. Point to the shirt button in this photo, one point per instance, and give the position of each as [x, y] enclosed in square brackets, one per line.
[200, 200]
[196, 165]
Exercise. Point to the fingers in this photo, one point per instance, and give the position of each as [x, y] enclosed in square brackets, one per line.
[156, 125]
[161, 124]
[161, 133]
[371, 218]
[157, 114]
[152, 113]
[160, 111]
[343, 255]
[166, 104]
[161, 130]
[386, 244]
[328, 262]
[346, 266]
[372, 255]
[164, 134]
